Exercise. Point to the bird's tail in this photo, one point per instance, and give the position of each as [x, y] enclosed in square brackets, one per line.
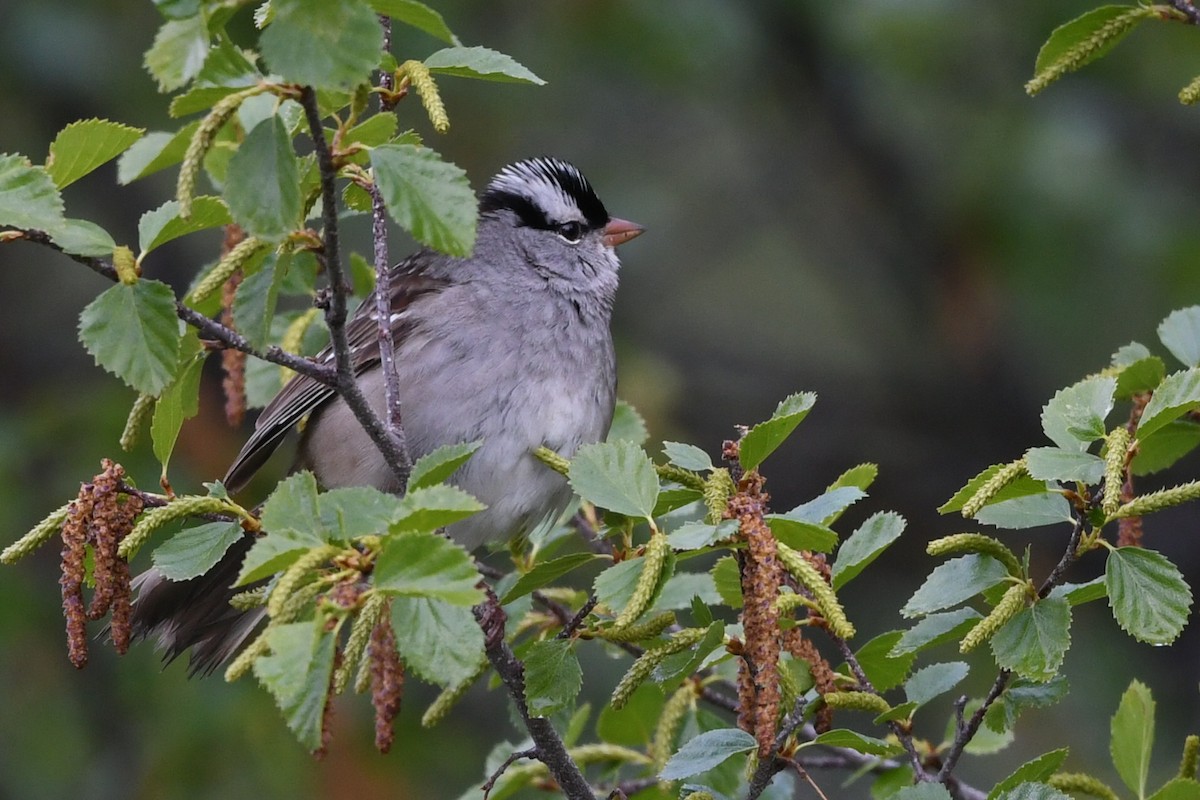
[195, 614]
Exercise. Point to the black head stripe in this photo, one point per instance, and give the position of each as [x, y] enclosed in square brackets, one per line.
[518, 186]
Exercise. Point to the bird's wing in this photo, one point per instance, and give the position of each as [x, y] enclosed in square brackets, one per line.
[302, 394]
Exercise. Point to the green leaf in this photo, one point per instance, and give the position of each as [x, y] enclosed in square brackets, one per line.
[682, 590]
[297, 673]
[1178, 789]
[1147, 594]
[627, 425]
[954, 582]
[826, 508]
[355, 511]
[180, 401]
[853, 740]
[1029, 511]
[416, 15]
[885, 669]
[800, 534]
[1033, 643]
[28, 197]
[435, 507]
[1178, 394]
[934, 680]
[441, 642]
[923, 791]
[687, 456]
[1074, 417]
[257, 296]
[1132, 737]
[194, 551]
[438, 465]
[728, 581]
[548, 571]
[375, 130]
[262, 187]
[1021, 487]
[131, 330]
[1033, 791]
[427, 196]
[705, 751]
[163, 224]
[1057, 464]
[1180, 333]
[423, 564]
[1022, 694]
[153, 152]
[671, 498]
[936, 629]
[327, 44]
[762, 440]
[83, 238]
[1166, 446]
[480, 62]
[178, 52]
[695, 535]
[1096, 32]
[1037, 770]
[633, 724]
[83, 146]
[552, 676]
[292, 519]
[614, 586]
[1143, 375]
[617, 476]
[1078, 593]
[865, 545]
[859, 477]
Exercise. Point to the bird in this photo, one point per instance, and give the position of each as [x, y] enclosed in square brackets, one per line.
[510, 346]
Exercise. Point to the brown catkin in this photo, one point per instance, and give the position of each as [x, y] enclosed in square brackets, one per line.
[387, 682]
[74, 536]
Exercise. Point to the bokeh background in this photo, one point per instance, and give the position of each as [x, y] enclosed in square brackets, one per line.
[852, 198]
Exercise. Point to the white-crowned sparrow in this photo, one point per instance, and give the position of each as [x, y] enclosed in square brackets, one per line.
[510, 346]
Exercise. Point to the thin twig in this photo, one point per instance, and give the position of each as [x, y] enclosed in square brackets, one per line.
[508, 762]
[335, 312]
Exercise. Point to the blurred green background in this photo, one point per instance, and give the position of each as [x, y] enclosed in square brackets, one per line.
[852, 198]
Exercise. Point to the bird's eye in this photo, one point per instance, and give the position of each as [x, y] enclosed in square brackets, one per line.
[571, 231]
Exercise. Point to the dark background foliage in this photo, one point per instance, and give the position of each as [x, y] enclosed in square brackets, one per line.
[852, 198]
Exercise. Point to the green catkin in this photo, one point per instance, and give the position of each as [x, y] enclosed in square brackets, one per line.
[229, 264]
[785, 604]
[992, 487]
[669, 722]
[294, 336]
[450, 696]
[1086, 49]
[717, 490]
[650, 659]
[289, 581]
[359, 638]
[1009, 606]
[857, 701]
[37, 536]
[299, 600]
[249, 599]
[1079, 783]
[552, 460]
[654, 561]
[976, 543]
[420, 78]
[1114, 469]
[1190, 94]
[823, 594]
[202, 141]
[136, 420]
[1191, 754]
[636, 633]
[245, 659]
[125, 264]
[677, 474]
[702, 795]
[155, 518]
[1156, 501]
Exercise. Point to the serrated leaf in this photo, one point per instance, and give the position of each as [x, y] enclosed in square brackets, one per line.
[614, 587]
[425, 564]
[705, 751]
[416, 15]
[1074, 417]
[1032, 644]
[178, 52]
[83, 238]
[694, 535]
[257, 296]
[617, 476]
[687, 456]
[132, 331]
[923, 791]
[1178, 789]
[1057, 464]
[1132, 737]
[163, 224]
[728, 581]
[548, 571]
[154, 151]
[859, 477]
[1147, 594]
[435, 507]
[441, 642]
[194, 551]
[1066, 38]
[292, 518]
[355, 511]
[1036, 770]
[552, 676]
[262, 187]
[683, 590]
[800, 534]
[936, 629]
[375, 130]
[1143, 375]
[865, 545]
[934, 680]
[1033, 791]
[427, 196]
[885, 669]
[1178, 394]
[1079, 593]
[841, 737]
[328, 44]
[1019, 488]
[1180, 333]
[954, 582]
[480, 62]
[179, 402]
[438, 465]
[1129, 354]
[627, 425]
[828, 506]
[1022, 694]
[28, 197]
[297, 673]
[1165, 446]
[83, 146]
[762, 440]
[1029, 511]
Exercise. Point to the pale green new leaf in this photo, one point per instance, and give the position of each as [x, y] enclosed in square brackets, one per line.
[423, 564]
[687, 456]
[1057, 464]
[1037, 770]
[82, 237]
[1180, 333]
[178, 52]
[842, 737]
[865, 545]
[194, 551]
[1028, 511]
[617, 476]
[297, 673]
[954, 582]
[83, 146]
[705, 751]
[694, 535]
[256, 298]
[1178, 394]
[435, 507]
[440, 641]
[823, 510]
[328, 44]
[437, 466]
[627, 425]
[552, 676]
[292, 518]
[934, 680]
[132, 331]
[936, 629]
[548, 571]
[762, 440]
[163, 224]
[480, 62]
[154, 151]
[1147, 594]
[262, 187]
[427, 196]
[1032, 644]
[1132, 737]
[179, 402]
[28, 197]
[352, 512]
[417, 15]
[1074, 417]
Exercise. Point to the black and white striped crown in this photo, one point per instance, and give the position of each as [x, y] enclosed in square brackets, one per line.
[544, 192]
